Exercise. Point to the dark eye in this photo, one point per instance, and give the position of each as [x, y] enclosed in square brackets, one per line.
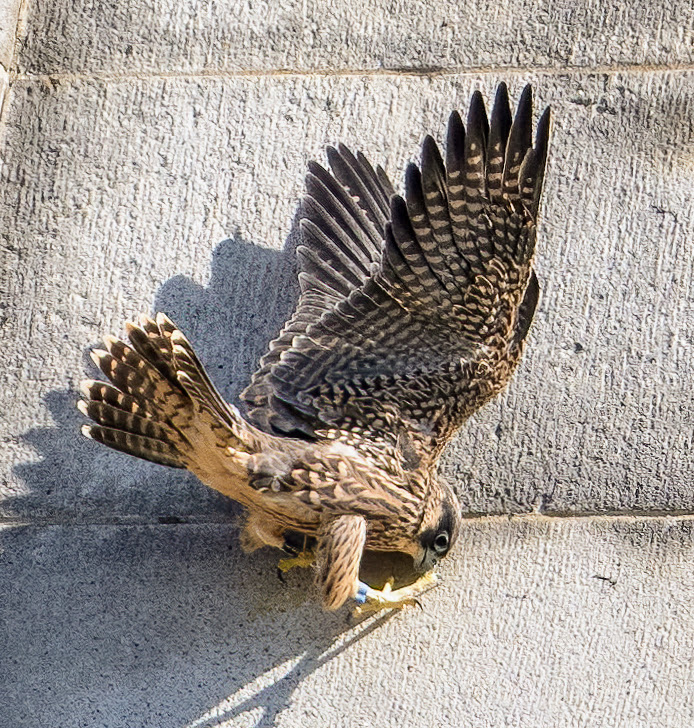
[441, 542]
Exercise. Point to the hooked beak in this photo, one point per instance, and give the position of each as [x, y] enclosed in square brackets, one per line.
[426, 560]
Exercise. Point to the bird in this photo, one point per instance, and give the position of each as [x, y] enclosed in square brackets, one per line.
[413, 312]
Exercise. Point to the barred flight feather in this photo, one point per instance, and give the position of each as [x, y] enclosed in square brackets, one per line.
[413, 311]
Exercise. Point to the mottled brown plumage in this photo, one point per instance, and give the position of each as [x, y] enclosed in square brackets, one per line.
[412, 314]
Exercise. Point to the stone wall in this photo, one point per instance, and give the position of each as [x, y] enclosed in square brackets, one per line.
[153, 159]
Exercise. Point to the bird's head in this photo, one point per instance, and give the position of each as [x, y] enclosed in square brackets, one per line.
[439, 529]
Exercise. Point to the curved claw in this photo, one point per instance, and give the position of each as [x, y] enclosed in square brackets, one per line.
[373, 600]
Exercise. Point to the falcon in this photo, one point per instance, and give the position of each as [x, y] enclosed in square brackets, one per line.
[413, 312]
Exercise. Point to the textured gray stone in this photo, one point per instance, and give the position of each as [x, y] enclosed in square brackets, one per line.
[9, 21]
[174, 36]
[4, 94]
[179, 194]
[537, 623]
[9, 29]
[152, 159]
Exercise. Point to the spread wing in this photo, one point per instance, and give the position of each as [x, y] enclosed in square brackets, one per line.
[412, 311]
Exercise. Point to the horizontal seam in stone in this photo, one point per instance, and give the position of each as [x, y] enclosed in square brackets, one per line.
[629, 516]
[434, 71]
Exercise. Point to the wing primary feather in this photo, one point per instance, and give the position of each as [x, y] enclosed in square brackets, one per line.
[496, 148]
[531, 173]
[312, 286]
[541, 148]
[396, 274]
[420, 278]
[455, 170]
[336, 228]
[385, 182]
[526, 310]
[519, 141]
[319, 251]
[435, 195]
[474, 168]
[417, 209]
[349, 173]
[337, 201]
[438, 248]
[380, 184]
[473, 240]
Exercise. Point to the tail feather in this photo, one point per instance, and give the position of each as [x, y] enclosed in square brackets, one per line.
[134, 376]
[117, 418]
[160, 404]
[140, 446]
[152, 345]
[98, 391]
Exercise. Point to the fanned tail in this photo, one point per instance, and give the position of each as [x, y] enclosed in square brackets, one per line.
[160, 404]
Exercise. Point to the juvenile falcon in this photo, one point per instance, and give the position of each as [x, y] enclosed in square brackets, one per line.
[412, 314]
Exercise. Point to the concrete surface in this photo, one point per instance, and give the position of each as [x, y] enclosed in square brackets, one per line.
[169, 36]
[153, 159]
[10, 28]
[178, 195]
[538, 622]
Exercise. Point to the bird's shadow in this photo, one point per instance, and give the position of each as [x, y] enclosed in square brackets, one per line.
[138, 581]
[251, 292]
[165, 626]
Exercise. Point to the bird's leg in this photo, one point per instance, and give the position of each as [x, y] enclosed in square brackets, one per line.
[301, 549]
[259, 531]
[373, 600]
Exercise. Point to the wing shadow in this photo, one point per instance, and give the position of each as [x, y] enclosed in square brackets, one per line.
[251, 292]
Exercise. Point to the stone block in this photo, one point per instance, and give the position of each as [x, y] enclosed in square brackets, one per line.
[238, 36]
[536, 623]
[181, 194]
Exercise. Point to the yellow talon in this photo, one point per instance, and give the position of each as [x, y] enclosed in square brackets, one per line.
[300, 561]
[386, 598]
